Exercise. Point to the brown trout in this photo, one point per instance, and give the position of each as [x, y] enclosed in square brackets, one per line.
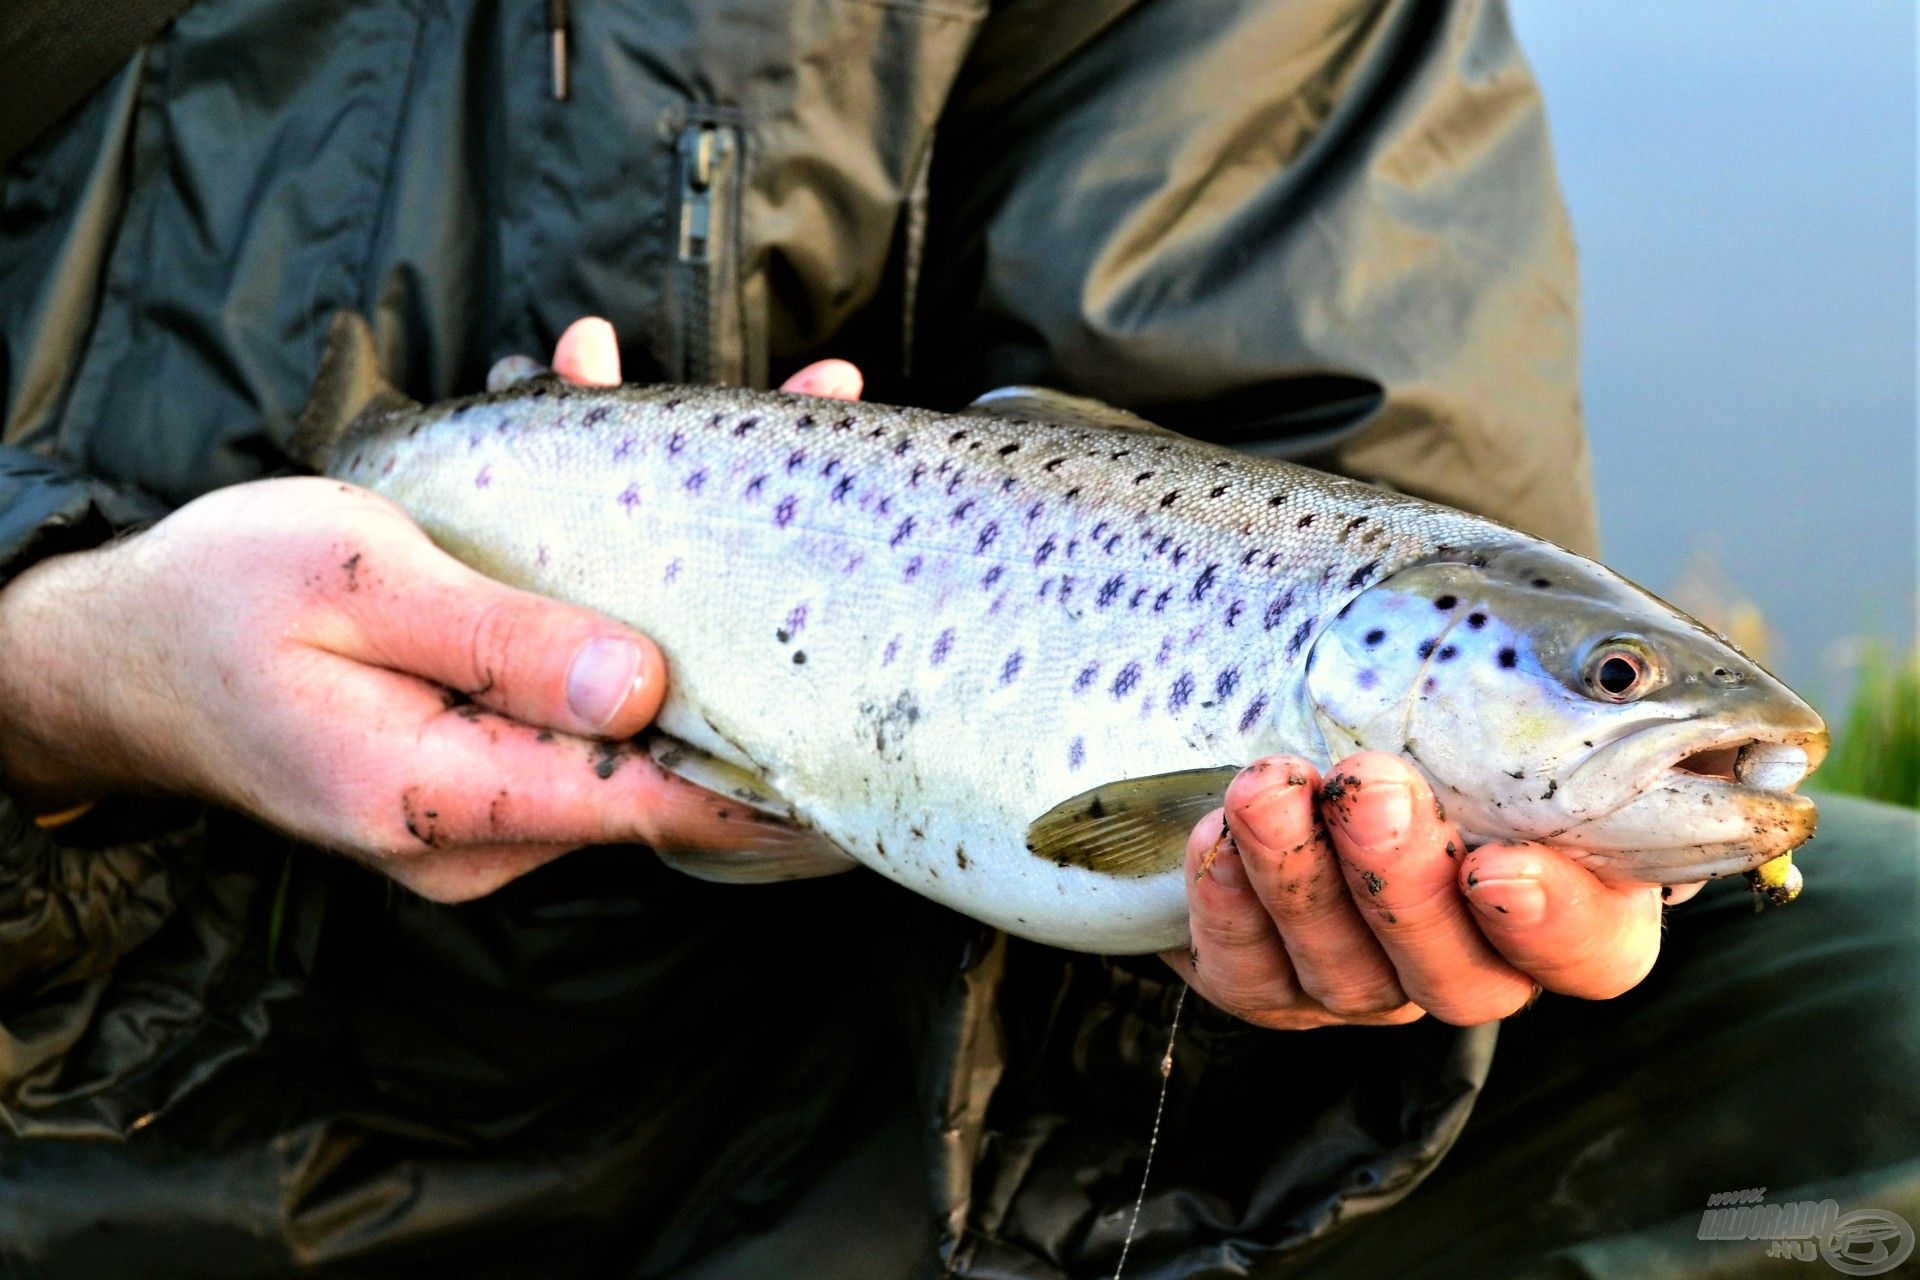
[1007, 658]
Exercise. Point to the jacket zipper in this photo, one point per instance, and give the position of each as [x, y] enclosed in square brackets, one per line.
[707, 284]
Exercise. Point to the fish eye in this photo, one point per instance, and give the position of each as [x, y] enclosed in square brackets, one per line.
[1620, 670]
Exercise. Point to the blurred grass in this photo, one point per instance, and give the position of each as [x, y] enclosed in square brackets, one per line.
[1876, 744]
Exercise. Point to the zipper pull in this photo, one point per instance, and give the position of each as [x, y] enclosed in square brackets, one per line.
[696, 194]
[558, 20]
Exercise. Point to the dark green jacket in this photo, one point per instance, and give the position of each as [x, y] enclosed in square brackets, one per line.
[1318, 228]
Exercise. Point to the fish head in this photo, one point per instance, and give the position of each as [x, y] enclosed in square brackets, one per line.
[1547, 698]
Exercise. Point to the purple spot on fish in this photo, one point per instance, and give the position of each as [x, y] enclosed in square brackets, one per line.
[991, 576]
[624, 449]
[745, 425]
[783, 514]
[1076, 753]
[1253, 713]
[796, 620]
[1138, 596]
[1181, 693]
[1234, 611]
[960, 512]
[1299, 638]
[1367, 679]
[1011, 667]
[912, 569]
[484, 478]
[1111, 543]
[987, 535]
[1110, 590]
[891, 652]
[1044, 552]
[1160, 601]
[1277, 611]
[1204, 583]
[901, 532]
[794, 460]
[1033, 512]
[696, 482]
[630, 498]
[1225, 683]
[942, 646]
[675, 443]
[840, 488]
[1166, 652]
[1088, 674]
[673, 570]
[756, 484]
[1127, 680]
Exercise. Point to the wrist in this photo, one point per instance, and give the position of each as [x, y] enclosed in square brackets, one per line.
[56, 748]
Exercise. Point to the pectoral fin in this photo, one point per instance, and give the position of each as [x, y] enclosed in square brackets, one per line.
[1133, 828]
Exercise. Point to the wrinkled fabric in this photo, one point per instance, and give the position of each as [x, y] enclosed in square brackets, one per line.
[1323, 229]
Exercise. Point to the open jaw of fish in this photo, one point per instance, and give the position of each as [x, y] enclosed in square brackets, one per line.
[1008, 658]
[1730, 791]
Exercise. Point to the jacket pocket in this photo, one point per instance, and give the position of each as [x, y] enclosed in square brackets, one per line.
[705, 271]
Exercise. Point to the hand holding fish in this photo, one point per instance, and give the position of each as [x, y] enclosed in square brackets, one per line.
[299, 650]
[1353, 900]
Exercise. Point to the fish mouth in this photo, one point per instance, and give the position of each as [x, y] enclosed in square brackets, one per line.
[1762, 765]
[1696, 806]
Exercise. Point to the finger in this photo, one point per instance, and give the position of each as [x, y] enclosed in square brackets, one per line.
[1275, 822]
[418, 777]
[1392, 841]
[588, 353]
[1236, 958]
[419, 611]
[829, 379]
[1554, 919]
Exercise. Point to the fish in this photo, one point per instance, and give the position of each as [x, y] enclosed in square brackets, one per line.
[1008, 657]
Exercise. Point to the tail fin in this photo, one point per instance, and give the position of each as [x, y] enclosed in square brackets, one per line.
[349, 384]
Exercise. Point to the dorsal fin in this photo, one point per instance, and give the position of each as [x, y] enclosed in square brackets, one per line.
[349, 384]
[1043, 404]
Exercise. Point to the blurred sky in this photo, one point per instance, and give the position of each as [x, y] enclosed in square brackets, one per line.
[1741, 175]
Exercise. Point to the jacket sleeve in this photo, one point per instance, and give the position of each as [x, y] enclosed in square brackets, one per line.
[1325, 230]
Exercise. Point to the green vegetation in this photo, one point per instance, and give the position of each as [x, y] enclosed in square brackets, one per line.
[1876, 745]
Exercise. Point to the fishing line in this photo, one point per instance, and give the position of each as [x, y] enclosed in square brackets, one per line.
[1153, 1139]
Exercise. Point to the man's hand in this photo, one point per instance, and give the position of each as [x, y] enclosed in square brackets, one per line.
[1354, 901]
[299, 650]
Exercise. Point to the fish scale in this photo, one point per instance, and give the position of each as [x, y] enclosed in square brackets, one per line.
[923, 632]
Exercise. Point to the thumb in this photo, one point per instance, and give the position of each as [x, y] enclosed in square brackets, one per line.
[534, 659]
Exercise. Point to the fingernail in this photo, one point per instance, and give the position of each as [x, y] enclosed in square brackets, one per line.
[1518, 903]
[1378, 814]
[1276, 819]
[601, 677]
